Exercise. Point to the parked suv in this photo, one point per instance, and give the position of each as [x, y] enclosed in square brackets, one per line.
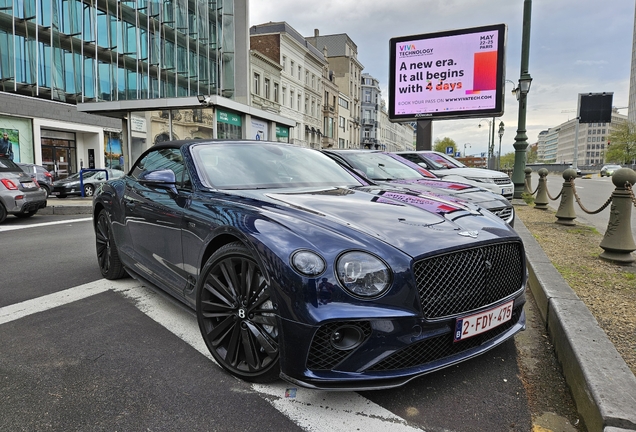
[41, 174]
[20, 195]
[451, 169]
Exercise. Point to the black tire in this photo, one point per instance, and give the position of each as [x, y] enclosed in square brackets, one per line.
[3, 213]
[89, 190]
[236, 315]
[107, 255]
[26, 214]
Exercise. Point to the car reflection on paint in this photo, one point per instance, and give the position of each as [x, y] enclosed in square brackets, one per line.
[299, 268]
[89, 181]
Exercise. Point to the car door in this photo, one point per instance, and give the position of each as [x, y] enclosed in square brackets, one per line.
[153, 218]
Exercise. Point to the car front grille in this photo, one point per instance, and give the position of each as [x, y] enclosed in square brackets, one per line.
[322, 354]
[439, 347]
[504, 213]
[462, 281]
[503, 181]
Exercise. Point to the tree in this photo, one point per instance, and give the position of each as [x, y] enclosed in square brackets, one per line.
[440, 145]
[507, 161]
[532, 154]
[621, 146]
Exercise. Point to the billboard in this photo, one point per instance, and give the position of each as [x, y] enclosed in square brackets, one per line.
[595, 107]
[450, 74]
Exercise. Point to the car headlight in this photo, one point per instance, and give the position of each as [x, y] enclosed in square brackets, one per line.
[363, 274]
[308, 263]
[481, 179]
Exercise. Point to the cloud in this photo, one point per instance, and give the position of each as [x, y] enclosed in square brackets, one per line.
[590, 62]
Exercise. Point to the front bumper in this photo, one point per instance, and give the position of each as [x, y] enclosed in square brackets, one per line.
[392, 352]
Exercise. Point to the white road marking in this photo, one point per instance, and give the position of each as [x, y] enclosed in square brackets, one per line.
[17, 227]
[312, 410]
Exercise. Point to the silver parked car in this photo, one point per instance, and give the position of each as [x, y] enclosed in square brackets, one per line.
[40, 173]
[608, 170]
[72, 185]
[20, 195]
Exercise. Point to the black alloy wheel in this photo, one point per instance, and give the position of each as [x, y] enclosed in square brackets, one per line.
[107, 255]
[89, 190]
[3, 213]
[236, 315]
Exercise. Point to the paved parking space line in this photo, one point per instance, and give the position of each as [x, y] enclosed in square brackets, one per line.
[312, 410]
[50, 301]
[37, 225]
[321, 411]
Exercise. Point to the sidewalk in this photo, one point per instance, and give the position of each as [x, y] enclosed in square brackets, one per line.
[67, 206]
[602, 386]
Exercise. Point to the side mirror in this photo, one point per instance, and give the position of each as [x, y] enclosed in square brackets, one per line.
[163, 178]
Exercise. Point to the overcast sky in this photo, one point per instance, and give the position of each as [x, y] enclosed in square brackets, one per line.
[576, 46]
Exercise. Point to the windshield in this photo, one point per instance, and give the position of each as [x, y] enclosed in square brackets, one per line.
[380, 167]
[444, 160]
[7, 165]
[264, 166]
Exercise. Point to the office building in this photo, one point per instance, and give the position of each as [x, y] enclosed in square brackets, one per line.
[88, 84]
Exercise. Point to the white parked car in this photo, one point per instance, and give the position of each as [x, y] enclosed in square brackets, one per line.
[449, 168]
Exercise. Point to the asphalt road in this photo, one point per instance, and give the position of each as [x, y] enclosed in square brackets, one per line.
[82, 353]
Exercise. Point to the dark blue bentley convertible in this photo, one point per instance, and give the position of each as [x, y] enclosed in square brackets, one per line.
[298, 268]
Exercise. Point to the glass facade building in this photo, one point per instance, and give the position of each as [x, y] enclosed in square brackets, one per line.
[79, 51]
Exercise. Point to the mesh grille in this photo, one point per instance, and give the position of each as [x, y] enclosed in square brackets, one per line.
[440, 347]
[322, 355]
[502, 180]
[503, 213]
[462, 281]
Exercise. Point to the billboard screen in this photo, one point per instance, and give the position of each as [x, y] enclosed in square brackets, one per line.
[451, 74]
[595, 107]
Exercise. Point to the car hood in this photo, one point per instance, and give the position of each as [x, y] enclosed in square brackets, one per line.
[456, 192]
[470, 172]
[410, 222]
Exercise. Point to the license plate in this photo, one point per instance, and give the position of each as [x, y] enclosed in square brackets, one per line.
[505, 191]
[55, 193]
[476, 324]
[28, 185]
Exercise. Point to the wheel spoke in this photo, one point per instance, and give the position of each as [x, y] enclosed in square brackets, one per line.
[227, 269]
[219, 332]
[211, 309]
[250, 350]
[264, 340]
[215, 287]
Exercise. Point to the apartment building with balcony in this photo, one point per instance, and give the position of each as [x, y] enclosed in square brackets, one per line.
[347, 71]
[302, 69]
[370, 112]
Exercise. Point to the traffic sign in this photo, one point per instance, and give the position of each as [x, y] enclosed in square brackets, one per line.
[449, 150]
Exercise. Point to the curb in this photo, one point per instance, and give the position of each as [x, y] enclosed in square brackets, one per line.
[65, 210]
[602, 385]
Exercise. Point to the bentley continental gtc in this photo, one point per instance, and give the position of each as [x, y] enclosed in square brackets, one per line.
[298, 268]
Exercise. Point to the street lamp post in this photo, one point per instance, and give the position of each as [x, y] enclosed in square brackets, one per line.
[501, 132]
[491, 124]
[521, 139]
